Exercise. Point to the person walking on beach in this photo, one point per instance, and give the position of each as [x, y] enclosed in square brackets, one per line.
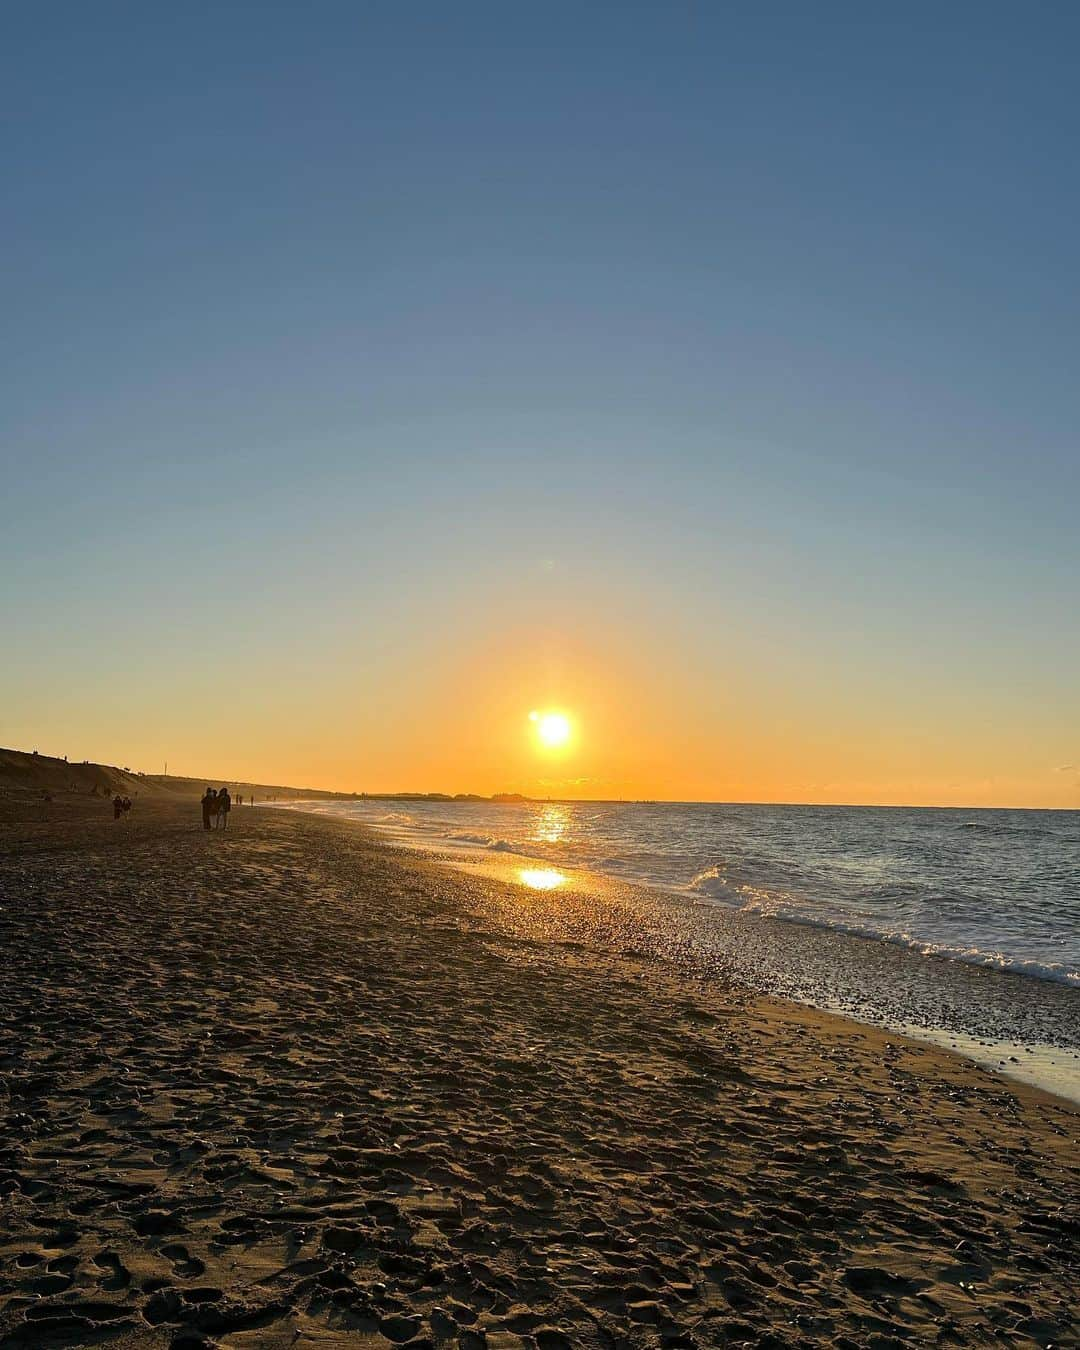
[117, 807]
[224, 807]
[207, 807]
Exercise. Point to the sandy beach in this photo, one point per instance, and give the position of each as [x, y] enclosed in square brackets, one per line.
[280, 1086]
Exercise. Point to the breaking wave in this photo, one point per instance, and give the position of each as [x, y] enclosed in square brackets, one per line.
[783, 908]
[485, 841]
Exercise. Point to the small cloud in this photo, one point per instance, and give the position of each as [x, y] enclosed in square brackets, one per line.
[1066, 768]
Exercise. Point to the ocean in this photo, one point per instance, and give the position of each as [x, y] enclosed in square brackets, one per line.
[952, 889]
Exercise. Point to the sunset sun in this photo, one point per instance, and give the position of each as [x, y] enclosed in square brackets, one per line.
[552, 728]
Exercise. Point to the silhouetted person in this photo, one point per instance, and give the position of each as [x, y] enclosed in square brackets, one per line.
[224, 807]
[207, 807]
[117, 806]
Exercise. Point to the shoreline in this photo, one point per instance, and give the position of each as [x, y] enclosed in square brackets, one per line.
[1049, 1067]
[281, 1085]
[968, 1007]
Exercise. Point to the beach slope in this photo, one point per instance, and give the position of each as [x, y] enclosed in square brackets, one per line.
[278, 1086]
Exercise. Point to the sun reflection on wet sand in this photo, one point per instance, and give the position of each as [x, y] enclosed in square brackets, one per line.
[540, 878]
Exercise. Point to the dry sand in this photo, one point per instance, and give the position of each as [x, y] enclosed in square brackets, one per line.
[282, 1087]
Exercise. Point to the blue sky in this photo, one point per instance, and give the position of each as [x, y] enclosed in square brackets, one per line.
[753, 317]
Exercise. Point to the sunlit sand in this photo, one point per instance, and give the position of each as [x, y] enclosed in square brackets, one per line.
[295, 1061]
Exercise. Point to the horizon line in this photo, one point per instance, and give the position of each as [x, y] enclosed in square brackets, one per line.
[494, 798]
[526, 797]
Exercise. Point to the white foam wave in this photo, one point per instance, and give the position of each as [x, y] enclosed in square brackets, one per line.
[713, 882]
[773, 907]
[490, 842]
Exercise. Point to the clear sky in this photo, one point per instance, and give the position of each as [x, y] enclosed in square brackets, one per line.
[374, 374]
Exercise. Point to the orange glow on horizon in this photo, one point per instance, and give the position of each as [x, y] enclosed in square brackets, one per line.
[702, 729]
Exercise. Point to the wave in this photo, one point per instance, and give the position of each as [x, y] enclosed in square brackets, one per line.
[770, 906]
[1029, 831]
[487, 841]
[715, 884]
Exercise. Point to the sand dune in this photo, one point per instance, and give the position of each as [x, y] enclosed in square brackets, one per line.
[26, 776]
[280, 1087]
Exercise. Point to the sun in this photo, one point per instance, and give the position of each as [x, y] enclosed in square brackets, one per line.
[552, 728]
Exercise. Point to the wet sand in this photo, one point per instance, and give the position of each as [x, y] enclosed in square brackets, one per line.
[1024, 1028]
[285, 1087]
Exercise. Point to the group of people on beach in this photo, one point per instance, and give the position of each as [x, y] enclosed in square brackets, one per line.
[217, 804]
[120, 806]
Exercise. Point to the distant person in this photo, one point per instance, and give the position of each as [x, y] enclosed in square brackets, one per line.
[224, 807]
[207, 807]
[239, 799]
[117, 807]
[127, 804]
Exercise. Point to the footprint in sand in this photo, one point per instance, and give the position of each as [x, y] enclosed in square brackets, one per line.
[185, 1266]
[118, 1276]
[57, 1277]
[49, 1284]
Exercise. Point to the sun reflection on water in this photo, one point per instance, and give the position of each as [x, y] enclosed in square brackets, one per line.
[552, 823]
[540, 878]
